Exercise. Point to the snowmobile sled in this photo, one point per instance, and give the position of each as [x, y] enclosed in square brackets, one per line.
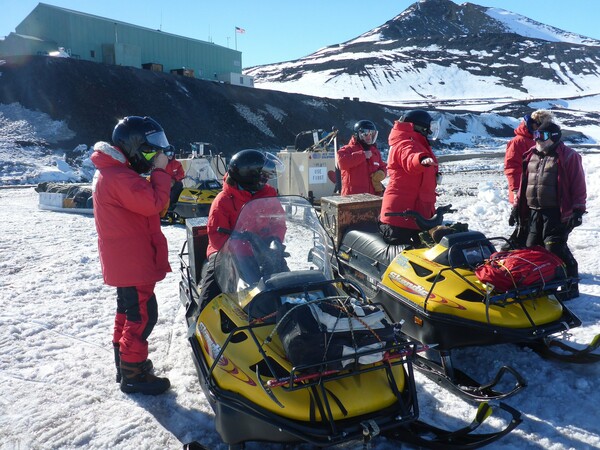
[285, 355]
[434, 290]
[65, 197]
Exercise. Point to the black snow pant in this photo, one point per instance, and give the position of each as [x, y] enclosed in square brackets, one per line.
[399, 236]
[175, 193]
[209, 288]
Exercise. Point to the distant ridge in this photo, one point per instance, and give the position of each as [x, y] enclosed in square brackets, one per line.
[437, 50]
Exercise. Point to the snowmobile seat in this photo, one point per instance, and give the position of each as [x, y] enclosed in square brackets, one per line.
[466, 249]
[269, 299]
[368, 251]
[294, 279]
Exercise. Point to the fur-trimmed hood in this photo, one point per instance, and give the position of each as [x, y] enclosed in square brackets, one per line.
[108, 150]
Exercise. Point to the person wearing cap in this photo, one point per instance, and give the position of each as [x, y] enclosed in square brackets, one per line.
[175, 169]
[361, 166]
[517, 146]
[413, 173]
[551, 199]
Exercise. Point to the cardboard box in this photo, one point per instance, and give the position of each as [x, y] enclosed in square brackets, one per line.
[340, 212]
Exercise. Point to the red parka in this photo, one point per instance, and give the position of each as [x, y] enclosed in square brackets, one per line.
[225, 210]
[175, 169]
[133, 250]
[513, 159]
[411, 185]
[356, 169]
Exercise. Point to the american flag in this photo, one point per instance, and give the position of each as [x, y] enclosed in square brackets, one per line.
[239, 30]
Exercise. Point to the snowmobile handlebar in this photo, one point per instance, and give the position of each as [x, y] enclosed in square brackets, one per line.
[423, 223]
[224, 230]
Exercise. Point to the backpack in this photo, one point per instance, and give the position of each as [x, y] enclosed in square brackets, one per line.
[520, 268]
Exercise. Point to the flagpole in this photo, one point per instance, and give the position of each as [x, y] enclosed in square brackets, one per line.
[235, 34]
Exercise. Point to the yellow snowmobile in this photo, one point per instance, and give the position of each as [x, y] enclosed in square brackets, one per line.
[200, 187]
[285, 355]
[435, 291]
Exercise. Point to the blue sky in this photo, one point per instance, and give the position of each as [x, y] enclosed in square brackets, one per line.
[281, 30]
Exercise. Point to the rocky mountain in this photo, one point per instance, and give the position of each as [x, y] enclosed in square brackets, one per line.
[89, 98]
[439, 53]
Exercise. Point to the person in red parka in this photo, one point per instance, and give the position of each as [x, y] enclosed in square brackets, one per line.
[175, 169]
[517, 146]
[413, 172]
[246, 179]
[360, 162]
[133, 251]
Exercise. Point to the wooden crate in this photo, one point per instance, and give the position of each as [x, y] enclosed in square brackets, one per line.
[340, 212]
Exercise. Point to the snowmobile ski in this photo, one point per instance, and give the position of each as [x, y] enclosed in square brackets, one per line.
[463, 385]
[555, 349]
[464, 438]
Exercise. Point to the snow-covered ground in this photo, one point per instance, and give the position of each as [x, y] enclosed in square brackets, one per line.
[56, 315]
[56, 318]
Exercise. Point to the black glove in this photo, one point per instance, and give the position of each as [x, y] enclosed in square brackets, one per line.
[576, 218]
[514, 217]
[274, 260]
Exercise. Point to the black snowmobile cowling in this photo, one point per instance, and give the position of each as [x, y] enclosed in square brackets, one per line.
[434, 290]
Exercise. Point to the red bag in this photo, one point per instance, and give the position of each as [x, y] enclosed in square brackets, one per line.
[520, 268]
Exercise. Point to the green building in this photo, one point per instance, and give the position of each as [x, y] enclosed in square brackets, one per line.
[54, 31]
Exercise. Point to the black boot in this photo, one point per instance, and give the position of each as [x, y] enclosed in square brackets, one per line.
[573, 273]
[134, 379]
[148, 366]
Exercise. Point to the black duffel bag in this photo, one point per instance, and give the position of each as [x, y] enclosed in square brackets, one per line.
[333, 334]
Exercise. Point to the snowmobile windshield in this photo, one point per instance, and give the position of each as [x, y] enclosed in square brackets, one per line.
[273, 237]
[197, 172]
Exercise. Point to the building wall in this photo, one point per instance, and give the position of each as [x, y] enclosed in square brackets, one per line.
[109, 41]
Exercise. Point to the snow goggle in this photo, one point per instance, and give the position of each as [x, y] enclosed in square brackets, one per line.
[149, 152]
[543, 135]
[425, 131]
[149, 156]
[368, 136]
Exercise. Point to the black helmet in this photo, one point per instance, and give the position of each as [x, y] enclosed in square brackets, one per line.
[420, 119]
[251, 169]
[139, 138]
[365, 131]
